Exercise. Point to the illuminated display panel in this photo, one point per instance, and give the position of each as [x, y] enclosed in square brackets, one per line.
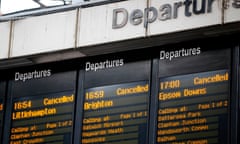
[2, 99]
[116, 104]
[194, 98]
[116, 113]
[42, 107]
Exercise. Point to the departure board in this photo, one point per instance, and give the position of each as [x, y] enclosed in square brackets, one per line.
[116, 101]
[193, 108]
[193, 97]
[2, 99]
[116, 114]
[42, 107]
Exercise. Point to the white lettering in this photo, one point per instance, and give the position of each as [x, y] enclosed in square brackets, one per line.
[179, 53]
[32, 75]
[105, 64]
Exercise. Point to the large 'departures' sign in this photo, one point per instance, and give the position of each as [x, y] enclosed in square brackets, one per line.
[139, 18]
[163, 11]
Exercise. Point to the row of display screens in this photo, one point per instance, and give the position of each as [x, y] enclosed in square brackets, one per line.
[182, 97]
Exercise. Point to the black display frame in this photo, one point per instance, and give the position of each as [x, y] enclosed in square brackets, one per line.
[78, 65]
[57, 69]
[234, 121]
[84, 83]
[3, 91]
[233, 82]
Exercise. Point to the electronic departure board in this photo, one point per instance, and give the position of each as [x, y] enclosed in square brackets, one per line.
[42, 106]
[179, 95]
[193, 96]
[2, 99]
[116, 101]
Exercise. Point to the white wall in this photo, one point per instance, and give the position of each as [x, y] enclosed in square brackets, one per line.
[45, 33]
[77, 1]
[4, 39]
[95, 25]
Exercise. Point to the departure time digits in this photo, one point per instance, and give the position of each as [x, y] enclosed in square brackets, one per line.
[94, 95]
[22, 105]
[170, 84]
